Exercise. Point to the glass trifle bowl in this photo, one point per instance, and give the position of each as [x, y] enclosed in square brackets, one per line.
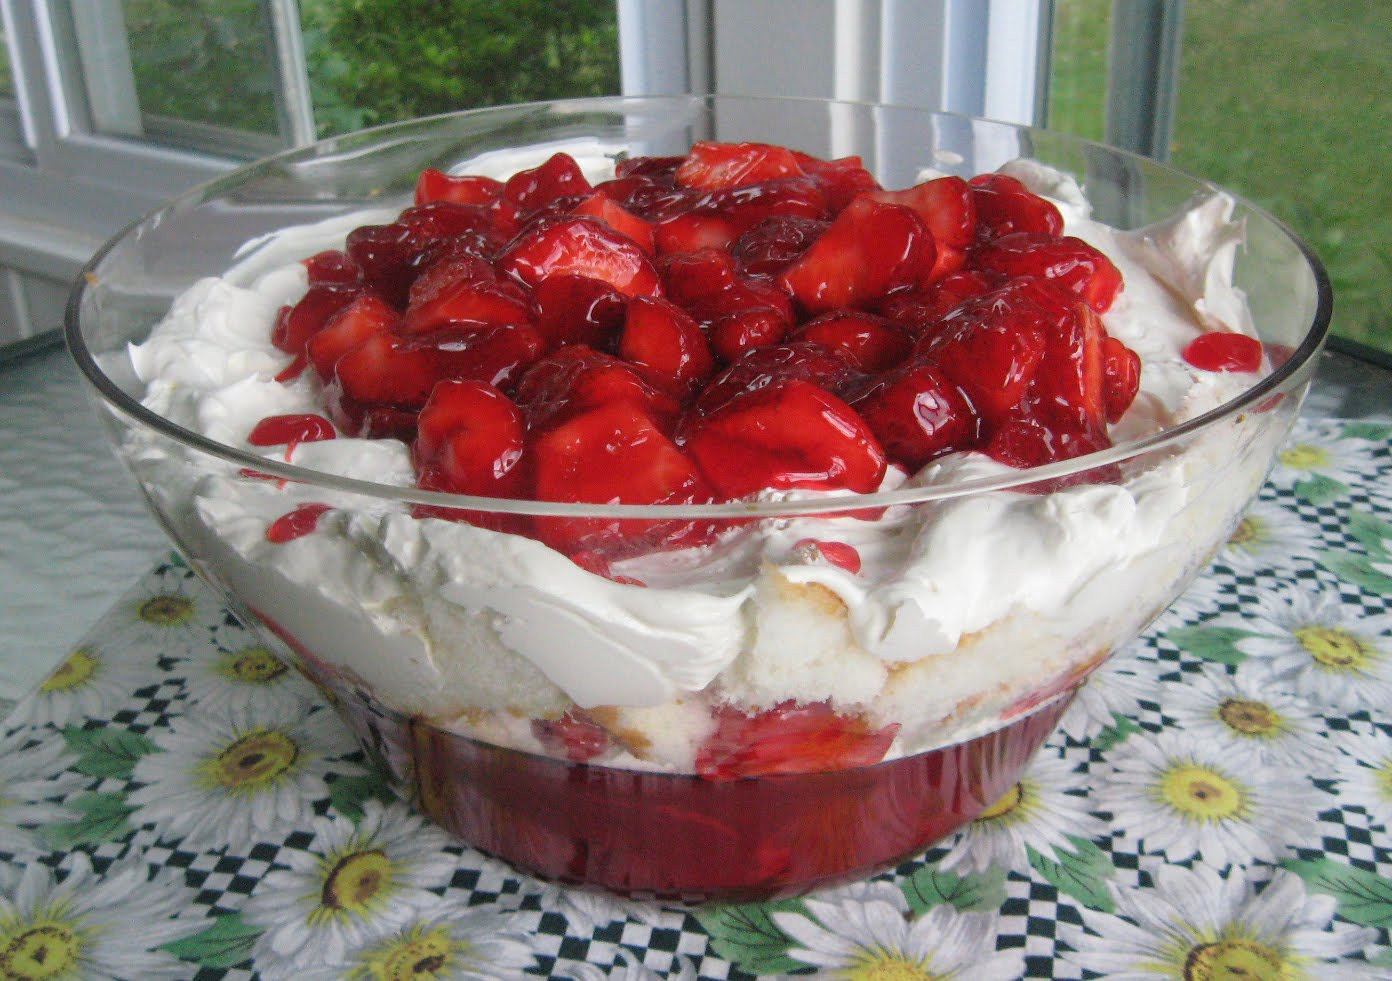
[700, 497]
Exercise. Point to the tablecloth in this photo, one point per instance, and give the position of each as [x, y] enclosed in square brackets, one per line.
[175, 804]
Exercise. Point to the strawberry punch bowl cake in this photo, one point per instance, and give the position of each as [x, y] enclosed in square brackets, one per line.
[707, 498]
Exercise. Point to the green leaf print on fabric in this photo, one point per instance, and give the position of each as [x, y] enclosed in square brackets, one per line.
[747, 935]
[931, 886]
[227, 943]
[106, 752]
[349, 793]
[103, 820]
[1082, 874]
[1122, 726]
[1375, 432]
[1320, 489]
[1371, 532]
[1358, 569]
[1217, 644]
[1364, 897]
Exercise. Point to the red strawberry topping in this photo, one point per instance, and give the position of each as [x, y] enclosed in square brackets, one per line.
[718, 166]
[1223, 351]
[581, 246]
[298, 427]
[790, 738]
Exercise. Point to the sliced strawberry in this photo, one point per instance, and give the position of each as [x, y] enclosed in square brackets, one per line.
[576, 379]
[467, 300]
[1121, 377]
[332, 266]
[744, 207]
[733, 335]
[617, 217]
[614, 454]
[574, 736]
[840, 180]
[1067, 262]
[790, 738]
[689, 276]
[469, 440]
[657, 169]
[296, 324]
[1224, 351]
[435, 185]
[790, 434]
[1004, 205]
[762, 367]
[712, 166]
[919, 310]
[578, 310]
[558, 176]
[446, 219]
[775, 243]
[1068, 389]
[946, 205]
[870, 249]
[580, 246]
[367, 316]
[991, 346]
[298, 427]
[1022, 441]
[869, 342]
[666, 345]
[687, 232]
[918, 414]
[444, 271]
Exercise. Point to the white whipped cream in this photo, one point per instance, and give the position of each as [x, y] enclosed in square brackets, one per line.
[961, 607]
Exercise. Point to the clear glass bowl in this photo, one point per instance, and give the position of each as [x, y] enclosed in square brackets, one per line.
[411, 624]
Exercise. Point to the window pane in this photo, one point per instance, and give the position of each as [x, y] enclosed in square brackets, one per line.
[378, 61]
[1287, 102]
[1078, 67]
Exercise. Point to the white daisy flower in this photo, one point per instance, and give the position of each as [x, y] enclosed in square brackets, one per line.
[1331, 654]
[360, 884]
[1199, 599]
[30, 778]
[633, 969]
[1364, 776]
[588, 910]
[231, 780]
[86, 927]
[1040, 811]
[230, 678]
[1314, 452]
[1247, 711]
[851, 940]
[1180, 796]
[1196, 924]
[91, 683]
[1267, 537]
[1115, 688]
[171, 615]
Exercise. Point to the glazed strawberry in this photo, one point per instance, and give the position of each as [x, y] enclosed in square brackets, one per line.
[614, 454]
[558, 176]
[366, 316]
[466, 300]
[660, 170]
[1121, 377]
[919, 310]
[690, 275]
[688, 232]
[469, 440]
[389, 257]
[437, 220]
[576, 379]
[714, 166]
[666, 345]
[617, 217]
[839, 554]
[1023, 441]
[296, 324]
[734, 335]
[762, 367]
[948, 207]
[434, 185]
[298, 427]
[790, 434]
[574, 736]
[869, 342]
[773, 244]
[870, 249]
[840, 180]
[1224, 351]
[578, 310]
[1004, 205]
[332, 266]
[296, 524]
[1068, 390]
[1067, 262]
[580, 246]
[917, 413]
[790, 738]
[744, 207]
[991, 346]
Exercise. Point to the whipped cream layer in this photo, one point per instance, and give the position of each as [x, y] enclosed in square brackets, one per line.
[964, 609]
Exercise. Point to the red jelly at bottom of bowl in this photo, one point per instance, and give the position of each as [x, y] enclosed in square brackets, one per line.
[683, 837]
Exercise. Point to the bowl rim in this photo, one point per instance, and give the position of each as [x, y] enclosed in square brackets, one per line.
[1288, 374]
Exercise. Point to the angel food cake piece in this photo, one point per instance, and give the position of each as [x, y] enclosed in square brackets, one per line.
[742, 323]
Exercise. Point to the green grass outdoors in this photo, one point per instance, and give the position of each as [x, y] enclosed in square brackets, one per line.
[1288, 102]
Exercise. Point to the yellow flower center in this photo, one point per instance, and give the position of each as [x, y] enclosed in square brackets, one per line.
[1303, 456]
[74, 672]
[1008, 802]
[1382, 779]
[1251, 718]
[1201, 793]
[43, 952]
[252, 762]
[886, 966]
[1236, 960]
[1247, 530]
[416, 956]
[253, 665]
[357, 882]
[1335, 648]
[167, 611]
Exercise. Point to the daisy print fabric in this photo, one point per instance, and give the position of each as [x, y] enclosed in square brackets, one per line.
[177, 802]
